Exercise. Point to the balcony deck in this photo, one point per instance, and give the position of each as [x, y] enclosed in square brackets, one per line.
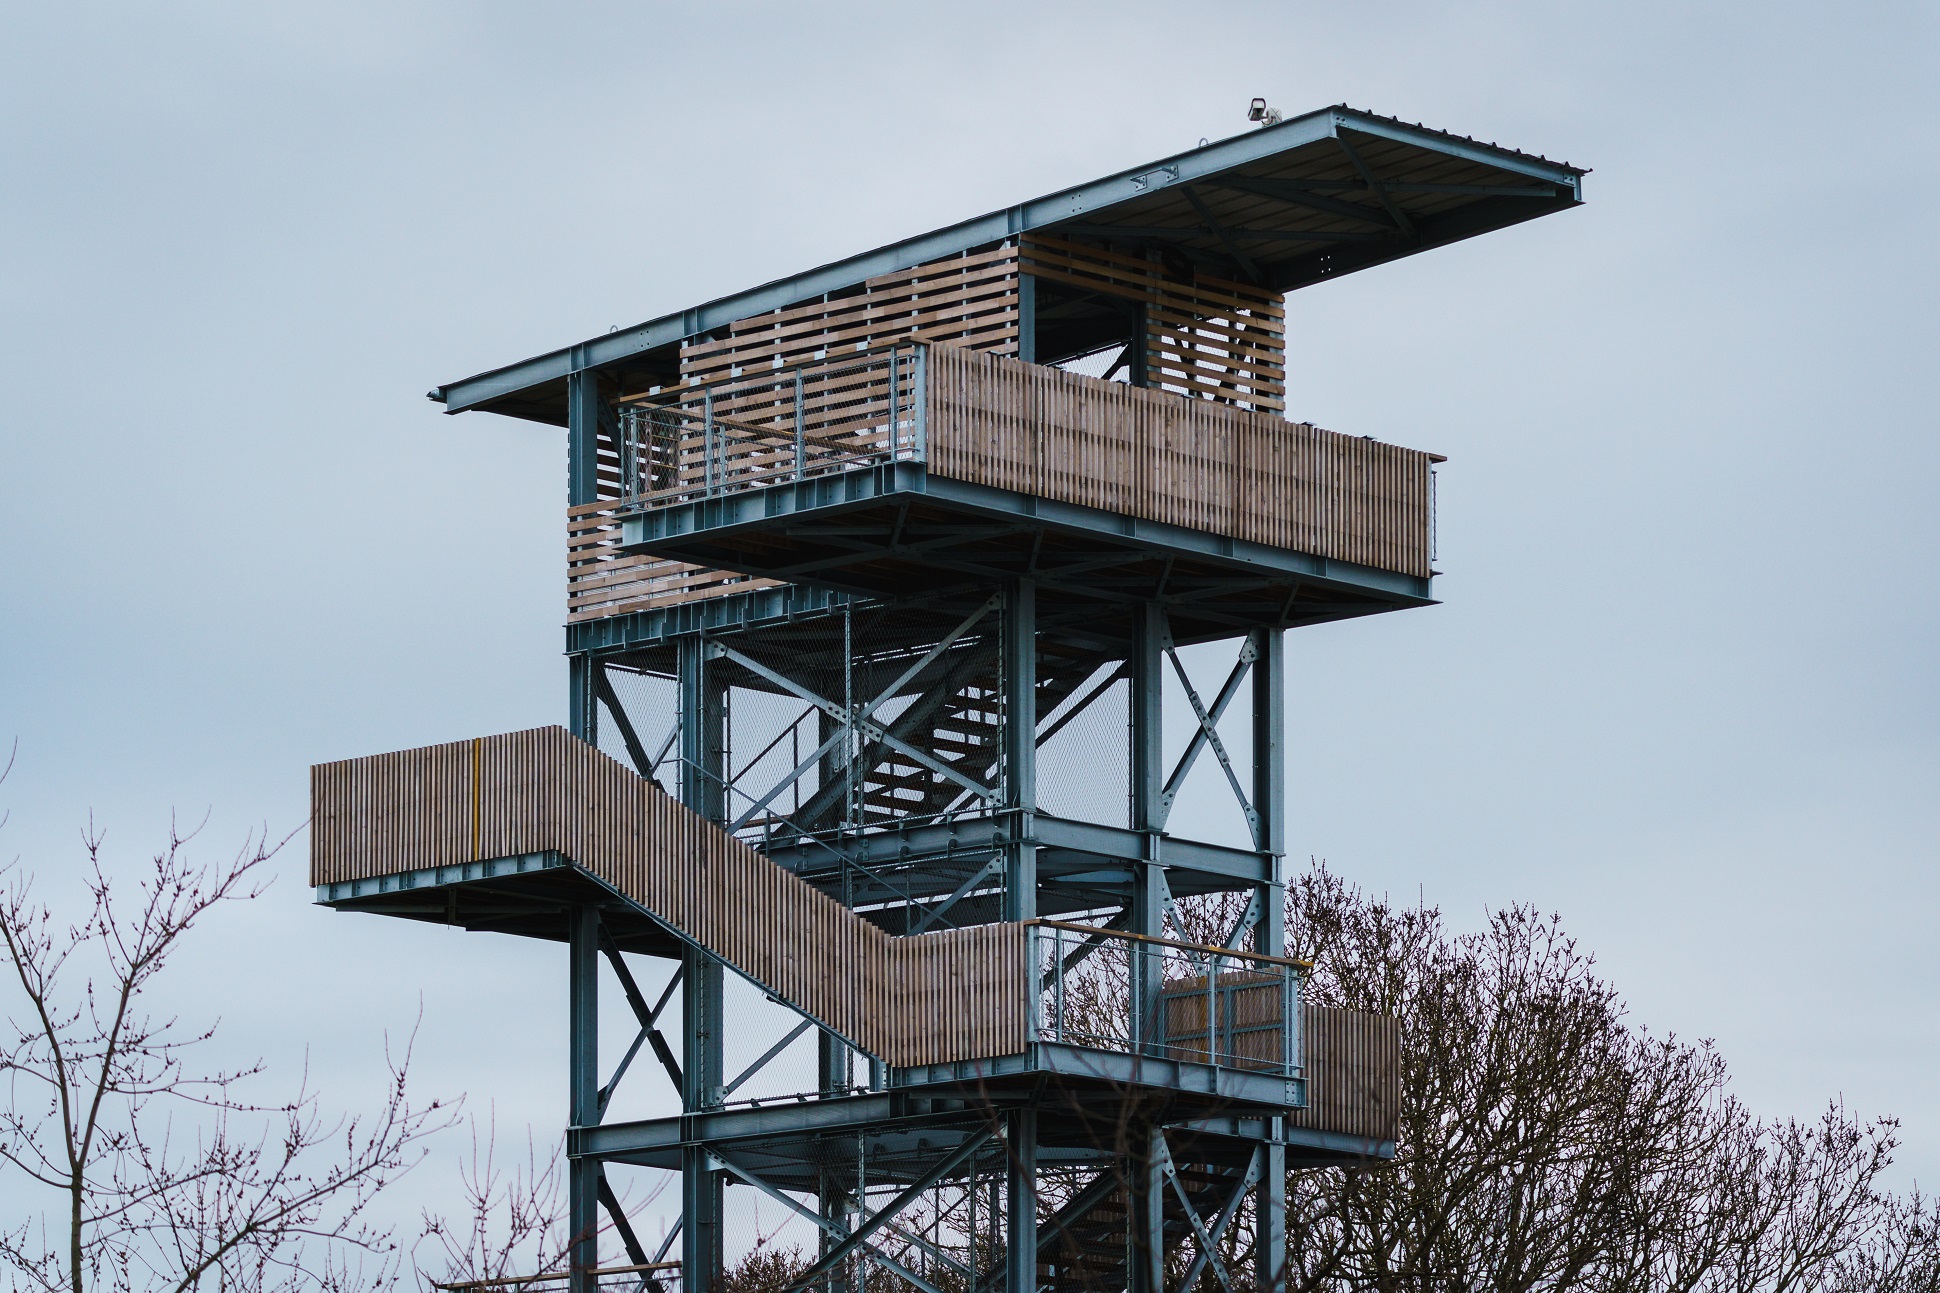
[871, 476]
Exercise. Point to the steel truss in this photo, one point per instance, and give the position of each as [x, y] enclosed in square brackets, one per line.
[970, 846]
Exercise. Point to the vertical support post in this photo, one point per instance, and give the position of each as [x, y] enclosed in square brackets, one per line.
[922, 405]
[582, 1069]
[702, 766]
[701, 1079]
[1027, 318]
[582, 486]
[1145, 1213]
[1020, 749]
[801, 429]
[1270, 935]
[707, 442]
[703, 731]
[1148, 812]
[1270, 783]
[1020, 1210]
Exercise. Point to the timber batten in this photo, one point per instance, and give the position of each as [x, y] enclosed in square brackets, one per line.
[925, 999]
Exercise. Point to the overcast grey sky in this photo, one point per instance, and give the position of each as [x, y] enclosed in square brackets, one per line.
[1682, 690]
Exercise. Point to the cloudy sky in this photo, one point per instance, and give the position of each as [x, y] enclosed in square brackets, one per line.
[1682, 689]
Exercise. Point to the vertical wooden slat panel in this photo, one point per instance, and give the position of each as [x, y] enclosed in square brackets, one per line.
[1189, 462]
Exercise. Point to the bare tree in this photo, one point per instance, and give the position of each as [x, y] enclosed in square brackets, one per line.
[160, 1172]
[1549, 1143]
[513, 1221]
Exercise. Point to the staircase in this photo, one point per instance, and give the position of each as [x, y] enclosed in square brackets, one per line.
[933, 998]
[1081, 1249]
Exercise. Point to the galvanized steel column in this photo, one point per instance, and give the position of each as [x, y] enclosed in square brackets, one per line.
[582, 486]
[582, 1069]
[1270, 936]
[1020, 1210]
[1020, 748]
[702, 766]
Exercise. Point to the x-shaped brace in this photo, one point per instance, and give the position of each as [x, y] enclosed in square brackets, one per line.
[1208, 1238]
[1208, 733]
[648, 1016]
[861, 719]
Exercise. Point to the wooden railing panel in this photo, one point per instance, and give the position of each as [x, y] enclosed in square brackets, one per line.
[1353, 1069]
[968, 300]
[1196, 463]
[928, 999]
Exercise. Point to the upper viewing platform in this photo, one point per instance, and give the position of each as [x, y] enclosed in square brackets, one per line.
[1089, 389]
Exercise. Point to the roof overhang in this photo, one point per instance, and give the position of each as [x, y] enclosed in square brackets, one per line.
[1286, 206]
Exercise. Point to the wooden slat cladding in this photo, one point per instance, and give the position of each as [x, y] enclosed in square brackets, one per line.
[928, 999]
[1194, 463]
[602, 581]
[1209, 337]
[968, 301]
[1353, 1069]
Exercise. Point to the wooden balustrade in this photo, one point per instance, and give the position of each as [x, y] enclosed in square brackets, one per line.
[933, 998]
[1197, 463]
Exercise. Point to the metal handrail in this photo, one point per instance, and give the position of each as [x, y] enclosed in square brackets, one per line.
[656, 433]
[1165, 998]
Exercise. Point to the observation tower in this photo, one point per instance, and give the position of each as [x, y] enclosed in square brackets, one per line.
[884, 748]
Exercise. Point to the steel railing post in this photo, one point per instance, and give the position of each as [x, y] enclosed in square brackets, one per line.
[1057, 951]
[707, 441]
[801, 436]
[922, 403]
[894, 405]
[1212, 1009]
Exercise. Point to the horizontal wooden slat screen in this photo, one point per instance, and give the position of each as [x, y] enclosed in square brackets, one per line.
[928, 999]
[968, 300]
[1353, 1067]
[1206, 337]
[601, 580]
[1195, 463]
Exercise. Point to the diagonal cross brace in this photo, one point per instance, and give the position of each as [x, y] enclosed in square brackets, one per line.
[1204, 734]
[1379, 189]
[603, 688]
[850, 1241]
[1206, 1240]
[649, 1017]
[988, 869]
[1209, 1238]
[767, 1055]
[861, 719]
[1208, 734]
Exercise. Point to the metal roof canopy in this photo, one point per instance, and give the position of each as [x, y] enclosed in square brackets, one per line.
[1286, 206]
